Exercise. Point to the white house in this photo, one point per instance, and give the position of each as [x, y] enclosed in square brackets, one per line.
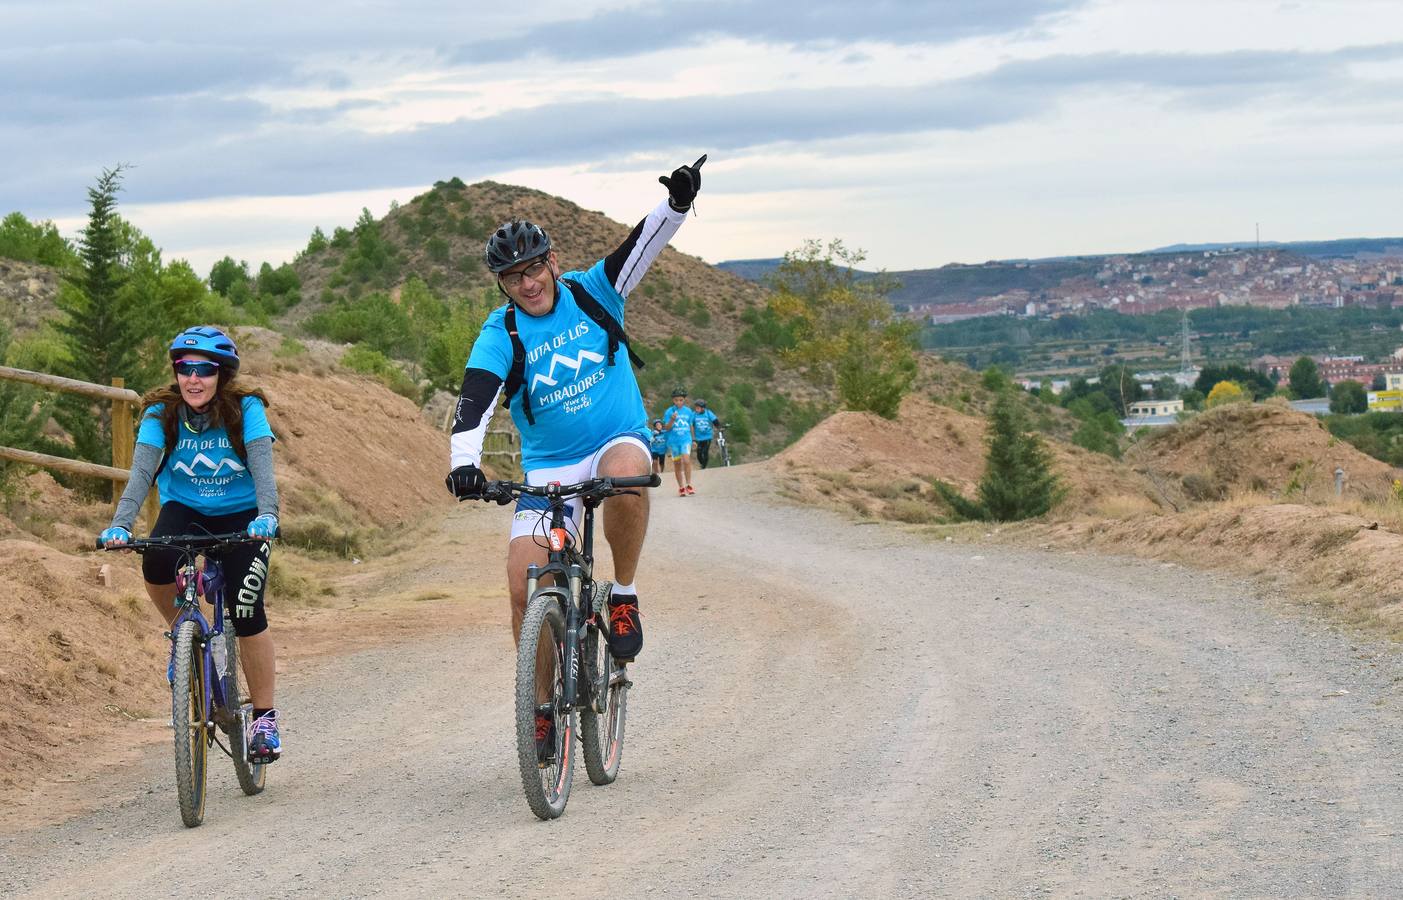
[1155, 408]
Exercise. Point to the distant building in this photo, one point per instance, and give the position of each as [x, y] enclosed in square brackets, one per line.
[1155, 408]
[1386, 401]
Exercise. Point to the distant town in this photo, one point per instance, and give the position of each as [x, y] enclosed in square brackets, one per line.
[1142, 284]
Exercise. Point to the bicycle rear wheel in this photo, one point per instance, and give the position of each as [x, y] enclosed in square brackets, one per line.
[538, 661]
[252, 776]
[190, 719]
[602, 719]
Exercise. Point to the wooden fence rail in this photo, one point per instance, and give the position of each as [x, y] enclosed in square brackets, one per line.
[124, 407]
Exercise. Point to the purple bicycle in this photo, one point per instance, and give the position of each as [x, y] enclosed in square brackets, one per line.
[208, 694]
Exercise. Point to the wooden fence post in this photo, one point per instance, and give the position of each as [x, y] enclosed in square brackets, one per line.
[122, 437]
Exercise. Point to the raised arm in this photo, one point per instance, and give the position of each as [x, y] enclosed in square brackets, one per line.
[626, 266]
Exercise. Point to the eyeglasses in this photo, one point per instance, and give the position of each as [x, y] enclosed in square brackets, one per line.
[199, 368]
[513, 280]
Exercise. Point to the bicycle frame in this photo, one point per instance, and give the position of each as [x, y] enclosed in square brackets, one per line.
[575, 566]
[192, 583]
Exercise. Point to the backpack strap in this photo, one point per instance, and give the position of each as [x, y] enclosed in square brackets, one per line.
[591, 307]
[516, 375]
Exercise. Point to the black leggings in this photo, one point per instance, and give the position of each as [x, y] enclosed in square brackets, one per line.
[245, 565]
[703, 451]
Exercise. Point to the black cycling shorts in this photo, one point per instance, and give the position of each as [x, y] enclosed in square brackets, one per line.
[703, 452]
[245, 565]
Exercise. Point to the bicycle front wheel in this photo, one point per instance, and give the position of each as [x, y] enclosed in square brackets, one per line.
[190, 719]
[252, 776]
[547, 765]
[602, 718]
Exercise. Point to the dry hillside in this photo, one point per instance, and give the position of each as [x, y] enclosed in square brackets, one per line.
[27, 294]
[884, 467]
[1268, 448]
[462, 217]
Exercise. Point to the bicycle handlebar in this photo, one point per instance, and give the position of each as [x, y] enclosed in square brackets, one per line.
[184, 542]
[593, 488]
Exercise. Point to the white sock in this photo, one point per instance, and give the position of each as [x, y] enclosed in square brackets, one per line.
[625, 590]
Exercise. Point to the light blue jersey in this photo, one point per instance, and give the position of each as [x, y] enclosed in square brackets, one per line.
[677, 422]
[203, 472]
[566, 374]
[658, 443]
[702, 422]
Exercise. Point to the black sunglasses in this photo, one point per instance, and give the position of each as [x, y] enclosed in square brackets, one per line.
[201, 369]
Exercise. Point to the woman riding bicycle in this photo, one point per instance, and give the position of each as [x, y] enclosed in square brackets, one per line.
[206, 443]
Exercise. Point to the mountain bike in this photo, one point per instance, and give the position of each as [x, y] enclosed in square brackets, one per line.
[721, 447]
[564, 669]
[208, 695]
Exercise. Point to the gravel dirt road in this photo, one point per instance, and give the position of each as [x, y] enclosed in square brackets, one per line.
[823, 708]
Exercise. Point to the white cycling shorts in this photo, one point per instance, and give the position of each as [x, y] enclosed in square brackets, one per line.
[532, 516]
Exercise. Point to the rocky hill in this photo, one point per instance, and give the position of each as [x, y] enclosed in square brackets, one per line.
[27, 293]
[439, 235]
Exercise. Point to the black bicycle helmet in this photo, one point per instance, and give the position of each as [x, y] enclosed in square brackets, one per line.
[513, 242]
[679, 391]
[208, 340]
[701, 403]
[657, 421]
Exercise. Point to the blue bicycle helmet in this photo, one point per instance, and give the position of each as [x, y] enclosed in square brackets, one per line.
[211, 342]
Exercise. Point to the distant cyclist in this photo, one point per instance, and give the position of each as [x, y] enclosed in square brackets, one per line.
[703, 420]
[677, 419]
[206, 443]
[657, 444]
[549, 353]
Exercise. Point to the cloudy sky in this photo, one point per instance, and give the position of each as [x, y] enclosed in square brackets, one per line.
[922, 132]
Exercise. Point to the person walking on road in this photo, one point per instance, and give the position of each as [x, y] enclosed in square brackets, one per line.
[549, 354]
[657, 444]
[703, 420]
[677, 419]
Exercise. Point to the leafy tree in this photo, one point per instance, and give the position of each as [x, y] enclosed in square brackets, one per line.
[1226, 392]
[1018, 481]
[1166, 388]
[1305, 379]
[1193, 398]
[1349, 397]
[1120, 385]
[1254, 382]
[318, 241]
[23, 412]
[37, 242]
[845, 332]
[1379, 383]
[224, 274]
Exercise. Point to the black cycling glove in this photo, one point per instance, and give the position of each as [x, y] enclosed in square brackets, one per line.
[465, 482]
[682, 185]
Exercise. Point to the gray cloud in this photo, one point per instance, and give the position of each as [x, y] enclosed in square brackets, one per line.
[188, 148]
[822, 23]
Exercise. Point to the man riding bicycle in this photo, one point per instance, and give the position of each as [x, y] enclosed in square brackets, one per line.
[549, 354]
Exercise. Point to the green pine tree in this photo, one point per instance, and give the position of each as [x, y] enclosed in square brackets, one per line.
[100, 327]
[1018, 481]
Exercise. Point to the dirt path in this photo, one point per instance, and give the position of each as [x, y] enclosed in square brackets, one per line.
[823, 709]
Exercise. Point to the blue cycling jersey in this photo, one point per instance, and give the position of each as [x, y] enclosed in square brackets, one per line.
[658, 442]
[566, 374]
[701, 421]
[203, 472]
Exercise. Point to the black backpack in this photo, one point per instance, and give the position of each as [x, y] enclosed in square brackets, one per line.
[516, 378]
